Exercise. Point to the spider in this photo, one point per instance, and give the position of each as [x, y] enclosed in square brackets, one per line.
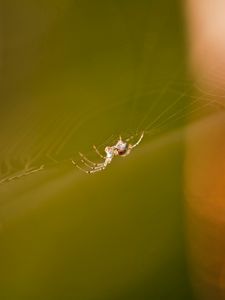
[121, 148]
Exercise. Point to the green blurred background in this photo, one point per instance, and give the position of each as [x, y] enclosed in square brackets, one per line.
[77, 73]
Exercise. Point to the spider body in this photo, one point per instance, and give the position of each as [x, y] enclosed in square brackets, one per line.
[121, 148]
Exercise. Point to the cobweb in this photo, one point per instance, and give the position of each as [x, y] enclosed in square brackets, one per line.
[36, 140]
[137, 58]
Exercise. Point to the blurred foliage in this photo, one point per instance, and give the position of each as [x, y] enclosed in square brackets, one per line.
[77, 73]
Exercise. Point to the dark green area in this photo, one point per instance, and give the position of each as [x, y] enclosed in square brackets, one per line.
[78, 73]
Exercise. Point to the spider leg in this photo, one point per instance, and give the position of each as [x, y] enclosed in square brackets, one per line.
[83, 170]
[93, 169]
[88, 160]
[97, 170]
[86, 164]
[91, 166]
[138, 142]
[97, 151]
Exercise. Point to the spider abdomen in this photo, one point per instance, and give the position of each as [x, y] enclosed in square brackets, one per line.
[122, 152]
